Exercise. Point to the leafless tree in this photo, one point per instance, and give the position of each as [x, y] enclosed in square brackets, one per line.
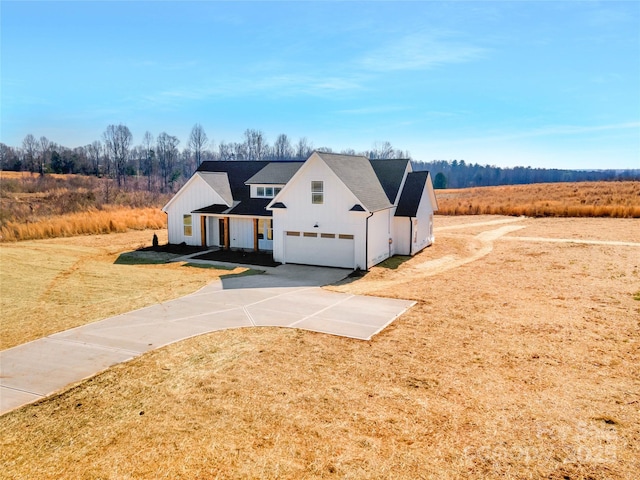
[225, 150]
[117, 139]
[348, 151]
[30, 149]
[44, 151]
[282, 149]
[94, 153]
[197, 142]
[256, 144]
[167, 153]
[303, 149]
[148, 165]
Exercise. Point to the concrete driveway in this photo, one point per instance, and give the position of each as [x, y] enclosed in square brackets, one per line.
[287, 296]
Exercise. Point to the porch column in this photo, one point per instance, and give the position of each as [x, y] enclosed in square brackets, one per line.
[255, 234]
[203, 230]
[226, 233]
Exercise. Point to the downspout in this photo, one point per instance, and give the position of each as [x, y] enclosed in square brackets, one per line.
[366, 243]
[410, 236]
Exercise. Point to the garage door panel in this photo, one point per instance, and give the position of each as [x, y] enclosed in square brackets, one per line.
[311, 248]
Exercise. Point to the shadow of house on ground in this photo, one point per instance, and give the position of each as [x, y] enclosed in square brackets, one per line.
[262, 259]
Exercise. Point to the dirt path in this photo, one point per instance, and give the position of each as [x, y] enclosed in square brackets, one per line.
[480, 224]
[574, 240]
[484, 241]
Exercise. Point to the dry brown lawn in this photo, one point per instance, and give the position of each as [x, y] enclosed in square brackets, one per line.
[578, 199]
[47, 286]
[520, 360]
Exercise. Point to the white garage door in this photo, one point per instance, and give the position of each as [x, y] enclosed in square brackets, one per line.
[313, 248]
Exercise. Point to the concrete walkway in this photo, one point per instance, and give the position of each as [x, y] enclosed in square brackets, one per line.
[287, 296]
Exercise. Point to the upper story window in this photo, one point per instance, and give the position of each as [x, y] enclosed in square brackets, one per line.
[267, 192]
[317, 192]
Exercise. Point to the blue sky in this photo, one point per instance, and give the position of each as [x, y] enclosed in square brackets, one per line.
[542, 84]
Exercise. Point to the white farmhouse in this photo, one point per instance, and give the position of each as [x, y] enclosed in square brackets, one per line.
[333, 210]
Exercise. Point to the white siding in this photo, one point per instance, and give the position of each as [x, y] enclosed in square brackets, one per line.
[195, 194]
[380, 232]
[402, 235]
[241, 233]
[332, 216]
[424, 218]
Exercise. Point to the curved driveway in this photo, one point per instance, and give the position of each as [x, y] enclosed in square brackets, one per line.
[286, 296]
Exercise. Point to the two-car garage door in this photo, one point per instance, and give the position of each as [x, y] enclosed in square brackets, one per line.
[314, 248]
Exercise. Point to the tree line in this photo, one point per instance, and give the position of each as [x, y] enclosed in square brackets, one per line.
[159, 164]
[158, 160]
[460, 174]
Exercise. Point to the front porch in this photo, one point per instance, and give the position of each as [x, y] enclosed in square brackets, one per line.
[230, 232]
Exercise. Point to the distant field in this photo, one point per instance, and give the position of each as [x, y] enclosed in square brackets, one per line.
[581, 199]
[520, 360]
[34, 207]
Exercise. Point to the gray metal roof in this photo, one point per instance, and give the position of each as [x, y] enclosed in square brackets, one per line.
[358, 175]
[275, 173]
[219, 181]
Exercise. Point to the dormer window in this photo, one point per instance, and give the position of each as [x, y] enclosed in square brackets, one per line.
[267, 192]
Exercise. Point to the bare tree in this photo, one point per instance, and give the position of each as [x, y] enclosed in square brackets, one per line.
[44, 151]
[197, 142]
[225, 151]
[148, 165]
[117, 139]
[256, 144]
[282, 149]
[303, 149]
[167, 153]
[30, 149]
[94, 152]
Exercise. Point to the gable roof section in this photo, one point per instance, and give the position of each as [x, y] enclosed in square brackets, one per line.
[358, 175]
[390, 173]
[238, 173]
[219, 181]
[411, 195]
[275, 173]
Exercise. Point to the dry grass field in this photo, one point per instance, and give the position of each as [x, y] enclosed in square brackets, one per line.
[47, 286]
[580, 199]
[520, 360]
[34, 207]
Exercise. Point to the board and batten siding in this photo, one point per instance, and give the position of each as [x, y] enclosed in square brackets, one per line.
[241, 233]
[195, 194]
[332, 216]
[380, 231]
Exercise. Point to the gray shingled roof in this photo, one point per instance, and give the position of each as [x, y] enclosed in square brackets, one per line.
[390, 172]
[412, 194]
[358, 175]
[275, 173]
[219, 181]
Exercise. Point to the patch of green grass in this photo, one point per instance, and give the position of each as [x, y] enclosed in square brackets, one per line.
[394, 262]
[208, 265]
[144, 258]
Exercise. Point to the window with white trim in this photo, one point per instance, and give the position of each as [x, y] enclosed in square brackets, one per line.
[267, 192]
[317, 192]
[187, 222]
[265, 229]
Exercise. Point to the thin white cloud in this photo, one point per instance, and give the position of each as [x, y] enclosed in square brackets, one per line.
[420, 51]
